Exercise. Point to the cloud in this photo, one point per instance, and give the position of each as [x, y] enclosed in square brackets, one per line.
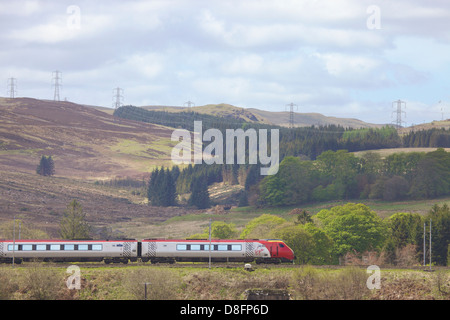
[316, 53]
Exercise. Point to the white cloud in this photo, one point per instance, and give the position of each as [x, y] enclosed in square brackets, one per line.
[316, 53]
[19, 8]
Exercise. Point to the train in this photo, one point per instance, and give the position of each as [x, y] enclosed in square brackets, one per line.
[147, 250]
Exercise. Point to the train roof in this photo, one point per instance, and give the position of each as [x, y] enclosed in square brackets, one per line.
[66, 240]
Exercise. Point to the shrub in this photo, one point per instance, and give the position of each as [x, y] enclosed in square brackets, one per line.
[347, 284]
[161, 284]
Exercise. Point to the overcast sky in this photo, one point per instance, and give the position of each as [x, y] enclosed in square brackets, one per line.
[345, 58]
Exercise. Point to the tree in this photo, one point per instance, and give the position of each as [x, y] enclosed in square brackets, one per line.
[340, 168]
[261, 226]
[162, 187]
[152, 187]
[73, 225]
[405, 229]
[323, 244]
[243, 199]
[291, 185]
[352, 227]
[168, 188]
[396, 188]
[432, 178]
[46, 166]
[298, 239]
[302, 216]
[219, 230]
[310, 244]
[200, 194]
[440, 231]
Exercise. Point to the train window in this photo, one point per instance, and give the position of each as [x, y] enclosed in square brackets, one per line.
[281, 245]
[236, 247]
[206, 247]
[83, 247]
[55, 247]
[41, 247]
[69, 247]
[27, 247]
[195, 247]
[181, 247]
[10, 247]
[222, 247]
[97, 247]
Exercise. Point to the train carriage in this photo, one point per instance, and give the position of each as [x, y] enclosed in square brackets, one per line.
[69, 250]
[153, 250]
[161, 250]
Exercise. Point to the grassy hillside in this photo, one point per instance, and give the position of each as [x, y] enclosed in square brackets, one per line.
[445, 124]
[84, 142]
[268, 117]
[90, 145]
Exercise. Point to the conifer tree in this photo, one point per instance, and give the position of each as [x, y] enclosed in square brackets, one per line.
[46, 166]
[200, 194]
[151, 191]
[162, 188]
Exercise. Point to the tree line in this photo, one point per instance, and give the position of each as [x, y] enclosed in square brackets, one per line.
[347, 232]
[342, 175]
[165, 184]
[309, 142]
[345, 177]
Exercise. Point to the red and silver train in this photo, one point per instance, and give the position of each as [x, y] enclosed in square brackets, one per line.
[148, 250]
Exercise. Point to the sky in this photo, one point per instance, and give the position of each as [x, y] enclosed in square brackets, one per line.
[343, 58]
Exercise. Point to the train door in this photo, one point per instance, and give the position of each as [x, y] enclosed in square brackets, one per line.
[273, 249]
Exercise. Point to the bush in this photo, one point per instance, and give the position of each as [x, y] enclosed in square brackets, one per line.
[396, 188]
[42, 283]
[7, 286]
[347, 284]
[162, 284]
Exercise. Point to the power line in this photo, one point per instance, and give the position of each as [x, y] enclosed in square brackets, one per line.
[442, 111]
[12, 85]
[398, 121]
[56, 83]
[117, 95]
[189, 104]
[291, 114]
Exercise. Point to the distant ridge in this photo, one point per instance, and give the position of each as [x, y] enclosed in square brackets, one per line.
[268, 117]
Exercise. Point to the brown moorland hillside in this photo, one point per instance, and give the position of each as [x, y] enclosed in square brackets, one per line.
[84, 142]
[87, 145]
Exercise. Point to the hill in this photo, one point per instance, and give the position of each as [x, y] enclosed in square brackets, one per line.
[87, 145]
[268, 117]
[84, 142]
[437, 124]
